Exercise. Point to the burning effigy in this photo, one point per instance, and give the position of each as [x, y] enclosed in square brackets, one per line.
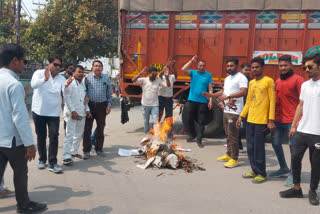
[160, 151]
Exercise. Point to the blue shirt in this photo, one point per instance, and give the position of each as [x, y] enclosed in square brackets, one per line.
[199, 83]
[14, 118]
[99, 89]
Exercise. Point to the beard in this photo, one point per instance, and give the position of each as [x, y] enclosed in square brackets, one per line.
[286, 75]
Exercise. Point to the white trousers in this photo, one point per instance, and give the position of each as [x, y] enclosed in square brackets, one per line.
[74, 133]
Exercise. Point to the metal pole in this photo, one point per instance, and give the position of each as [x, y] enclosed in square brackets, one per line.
[18, 21]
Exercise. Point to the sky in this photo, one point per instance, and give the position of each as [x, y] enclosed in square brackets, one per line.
[30, 5]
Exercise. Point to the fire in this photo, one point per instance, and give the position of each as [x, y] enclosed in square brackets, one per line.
[163, 130]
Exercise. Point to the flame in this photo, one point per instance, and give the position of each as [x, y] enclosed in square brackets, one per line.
[163, 130]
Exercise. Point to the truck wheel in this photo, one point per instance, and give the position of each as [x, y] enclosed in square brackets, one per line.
[214, 126]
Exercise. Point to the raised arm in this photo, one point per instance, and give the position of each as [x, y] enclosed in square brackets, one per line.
[185, 68]
[144, 71]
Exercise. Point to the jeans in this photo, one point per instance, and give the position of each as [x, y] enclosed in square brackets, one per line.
[196, 113]
[282, 130]
[93, 138]
[256, 148]
[146, 112]
[98, 112]
[244, 123]
[72, 140]
[232, 133]
[165, 103]
[16, 157]
[41, 123]
[301, 143]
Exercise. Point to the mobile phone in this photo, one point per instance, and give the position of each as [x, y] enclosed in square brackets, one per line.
[266, 131]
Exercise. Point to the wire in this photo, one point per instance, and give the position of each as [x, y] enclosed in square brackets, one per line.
[26, 9]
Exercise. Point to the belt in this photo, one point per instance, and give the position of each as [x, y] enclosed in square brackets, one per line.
[97, 103]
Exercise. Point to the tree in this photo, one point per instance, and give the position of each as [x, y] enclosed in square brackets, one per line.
[8, 25]
[76, 30]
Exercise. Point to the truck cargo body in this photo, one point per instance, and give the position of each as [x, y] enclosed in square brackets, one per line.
[150, 38]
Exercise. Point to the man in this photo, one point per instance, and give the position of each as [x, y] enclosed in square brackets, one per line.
[287, 99]
[75, 112]
[68, 71]
[99, 91]
[234, 89]
[165, 93]
[260, 108]
[47, 87]
[245, 70]
[307, 135]
[196, 106]
[16, 145]
[150, 90]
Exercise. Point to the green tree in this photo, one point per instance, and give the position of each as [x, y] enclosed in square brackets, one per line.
[8, 22]
[76, 30]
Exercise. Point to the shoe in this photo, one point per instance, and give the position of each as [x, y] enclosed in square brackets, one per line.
[100, 153]
[289, 181]
[92, 150]
[313, 198]
[76, 156]
[280, 173]
[67, 161]
[291, 193]
[86, 155]
[31, 207]
[190, 138]
[199, 142]
[224, 158]
[242, 151]
[231, 163]
[6, 193]
[55, 168]
[42, 165]
[225, 145]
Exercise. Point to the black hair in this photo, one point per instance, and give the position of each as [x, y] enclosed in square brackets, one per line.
[258, 60]
[152, 68]
[10, 51]
[234, 60]
[285, 58]
[201, 60]
[77, 66]
[245, 64]
[97, 61]
[52, 58]
[67, 65]
[314, 57]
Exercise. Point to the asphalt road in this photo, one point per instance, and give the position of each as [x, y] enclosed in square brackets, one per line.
[114, 184]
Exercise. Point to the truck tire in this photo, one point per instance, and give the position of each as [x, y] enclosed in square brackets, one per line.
[214, 126]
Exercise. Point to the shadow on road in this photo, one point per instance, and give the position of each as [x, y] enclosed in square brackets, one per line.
[97, 210]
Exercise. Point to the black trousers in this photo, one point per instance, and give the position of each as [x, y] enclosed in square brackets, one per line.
[197, 118]
[16, 157]
[98, 112]
[41, 123]
[165, 103]
[302, 141]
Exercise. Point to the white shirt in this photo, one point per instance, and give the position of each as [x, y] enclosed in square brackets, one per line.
[150, 90]
[74, 96]
[167, 91]
[310, 95]
[14, 117]
[47, 95]
[232, 84]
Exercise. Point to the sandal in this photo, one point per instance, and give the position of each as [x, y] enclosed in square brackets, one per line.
[259, 180]
[249, 175]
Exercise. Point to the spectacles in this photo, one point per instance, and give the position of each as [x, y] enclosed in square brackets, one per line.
[57, 65]
[305, 67]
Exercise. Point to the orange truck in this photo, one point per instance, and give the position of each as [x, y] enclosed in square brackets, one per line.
[151, 31]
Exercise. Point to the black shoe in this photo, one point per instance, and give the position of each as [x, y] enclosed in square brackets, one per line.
[190, 138]
[31, 207]
[291, 193]
[313, 198]
[67, 161]
[199, 142]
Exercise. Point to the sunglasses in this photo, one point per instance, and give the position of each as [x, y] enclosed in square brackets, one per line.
[57, 65]
[305, 67]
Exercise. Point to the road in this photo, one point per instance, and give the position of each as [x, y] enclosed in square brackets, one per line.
[114, 184]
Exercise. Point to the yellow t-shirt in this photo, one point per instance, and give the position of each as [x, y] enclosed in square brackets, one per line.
[260, 104]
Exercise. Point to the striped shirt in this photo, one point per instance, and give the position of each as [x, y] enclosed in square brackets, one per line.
[99, 89]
